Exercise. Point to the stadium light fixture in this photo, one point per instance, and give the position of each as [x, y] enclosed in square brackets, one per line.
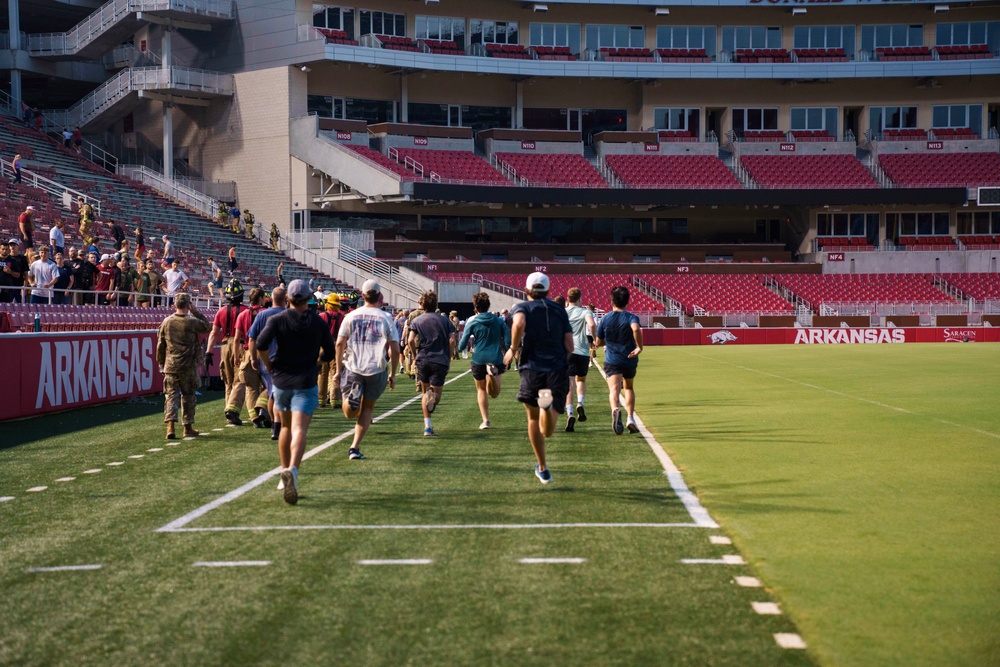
[306, 69]
[941, 8]
[662, 11]
[539, 7]
[797, 11]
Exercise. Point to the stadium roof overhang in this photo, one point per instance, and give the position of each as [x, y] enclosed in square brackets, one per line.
[671, 198]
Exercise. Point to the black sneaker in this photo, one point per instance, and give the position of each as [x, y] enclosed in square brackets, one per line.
[580, 414]
[616, 421]
[275, 430]
[355, 454]
[262, 420]
[233, 418]
[570, 424]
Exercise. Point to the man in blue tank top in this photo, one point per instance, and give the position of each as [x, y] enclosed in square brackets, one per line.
[621, 336]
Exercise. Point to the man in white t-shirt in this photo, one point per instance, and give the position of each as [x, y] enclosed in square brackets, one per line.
[175, 280]
[361, 361]
[582, 322]
[57, 240]
[43, 274]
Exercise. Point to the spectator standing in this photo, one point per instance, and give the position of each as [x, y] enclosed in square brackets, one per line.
[22, 264]
[43, 274]
[621, 336]
[155, 283]
[128, 283]
[301, 339]
[64, 282]
[368, 334]
[26, 226]
[430, 342]
[176, 280]
[10, 276]
[15, 164]
[78, 140]
[67, 137]
[329, 392]
[490, 338]
[168, 252]
[86, 278]
[142, 286]
[57, 240]
[582, 323]
[275, 236]
[543, 329]
[105, 285]
[117, 233]
[140, 244]
[179, 354]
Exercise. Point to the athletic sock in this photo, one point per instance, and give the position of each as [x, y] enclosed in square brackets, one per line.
[427, 422]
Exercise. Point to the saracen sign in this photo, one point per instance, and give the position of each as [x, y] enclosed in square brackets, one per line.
[51, 372]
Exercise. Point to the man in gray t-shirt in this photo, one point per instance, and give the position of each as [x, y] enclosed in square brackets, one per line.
[429, 342]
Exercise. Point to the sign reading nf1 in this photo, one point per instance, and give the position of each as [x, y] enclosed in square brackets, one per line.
[988, 196]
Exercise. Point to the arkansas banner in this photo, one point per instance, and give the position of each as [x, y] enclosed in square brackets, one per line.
[821, 336]
[48, 372]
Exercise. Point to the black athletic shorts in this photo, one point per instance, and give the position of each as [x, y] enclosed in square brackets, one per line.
[479, 371]
[532, 381]
[625, 371]
[432, 374]
[578, 365]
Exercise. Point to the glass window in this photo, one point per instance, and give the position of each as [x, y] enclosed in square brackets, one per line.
[321, 105]
[824, 37]
[892, 118]
[334, 18]
[957, 116]
[677, 119]
[884, 36]
[372, 111]
[615, 36]
[484, 31]
[686, 37]
[754, 120]
[962, 34]
[555, 34]
[441, 28]
[382, 23]
[750, 37]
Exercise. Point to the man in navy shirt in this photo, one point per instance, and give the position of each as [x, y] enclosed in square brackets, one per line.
[621, 337]
[541, 330]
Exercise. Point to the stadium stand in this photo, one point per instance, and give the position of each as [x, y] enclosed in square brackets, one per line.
[395, 43]
[683, 55]
[921, 170]
[512, 51]
[373, 155]
[596, 287]
[453, 166]
[762, 56]
[805, 171]
[979, 286]
[552, 53]
[444, 47]
[551, 170]
[717, 294]
[672, 171]
[877, 288]
[85, 318]
[337, 37]
[908, 53]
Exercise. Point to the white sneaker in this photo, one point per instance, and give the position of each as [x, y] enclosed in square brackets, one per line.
[431, 400]
[485, 425]
[290, 476]
[281, 483]
[544, 399]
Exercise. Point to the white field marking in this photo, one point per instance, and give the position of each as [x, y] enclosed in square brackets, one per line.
[789, 640]
[6, 499]
[155, 449]
[691, 503]
[65, 568]
[216, 429]
[189, 438]
[747, 582]
[66, 479]
[725, 560]
[719, 539]
[231, 563]
[36, 489]
[116, 463]
[399, 561]
[92, 471]
[766, 608]
[138, 456]
[444, 526]
[989, 434]
[270, 474]
[547, 561]
[172, 444]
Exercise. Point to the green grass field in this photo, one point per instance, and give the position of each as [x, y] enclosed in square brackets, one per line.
[860, 483]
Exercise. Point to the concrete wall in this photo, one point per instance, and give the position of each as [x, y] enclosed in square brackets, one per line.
[967, 261]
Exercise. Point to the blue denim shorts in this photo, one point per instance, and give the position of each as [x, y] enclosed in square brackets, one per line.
[297, 400]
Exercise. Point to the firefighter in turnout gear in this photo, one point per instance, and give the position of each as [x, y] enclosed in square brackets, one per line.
[179, 354]
[224, 332]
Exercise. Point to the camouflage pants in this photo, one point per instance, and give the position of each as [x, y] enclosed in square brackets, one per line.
[179, 395]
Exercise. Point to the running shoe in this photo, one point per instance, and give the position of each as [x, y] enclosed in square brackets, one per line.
[428, 432]
[353, 396]
[355, 454]
[570, 424]
[485, 425]
[431, 402]
[281, 483]
[616, 421]
[275, 430]
[544, 399]
[632, 426]
[580, 414]
[544, 476]
[289, 477]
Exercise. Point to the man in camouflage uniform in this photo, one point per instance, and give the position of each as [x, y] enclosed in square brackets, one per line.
[179, 354]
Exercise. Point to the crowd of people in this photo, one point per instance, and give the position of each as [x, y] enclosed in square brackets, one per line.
[287, 354]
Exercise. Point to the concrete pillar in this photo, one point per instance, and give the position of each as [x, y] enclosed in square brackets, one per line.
[519, 106]
[404, 98]
[14, 22]
[168, 140]
[167, 58]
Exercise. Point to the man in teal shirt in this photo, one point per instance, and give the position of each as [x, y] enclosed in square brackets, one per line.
[489, 338]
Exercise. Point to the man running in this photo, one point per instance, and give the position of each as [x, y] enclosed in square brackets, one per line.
[621, 336]
[300, 335]
[582, 323]
[429, 341]
[489, 337]
[366, 333]
[543, 328]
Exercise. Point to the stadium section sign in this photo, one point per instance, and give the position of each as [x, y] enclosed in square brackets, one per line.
[52, 371]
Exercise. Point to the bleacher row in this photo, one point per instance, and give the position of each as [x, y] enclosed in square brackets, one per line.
[84, 318]
[687, 171]
[736, 293]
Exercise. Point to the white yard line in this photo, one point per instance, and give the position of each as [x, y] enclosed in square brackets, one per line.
[398, 561]
[65, 568]
[551, 561]
[443, 526]
[232, 563]
[731, 559]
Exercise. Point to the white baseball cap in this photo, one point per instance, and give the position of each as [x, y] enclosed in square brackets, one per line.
[105, 257]
[31, 208]
[537, 281]
[370, 286]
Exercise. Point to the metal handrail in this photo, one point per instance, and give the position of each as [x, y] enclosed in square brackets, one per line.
[200, 202]
[50, 186]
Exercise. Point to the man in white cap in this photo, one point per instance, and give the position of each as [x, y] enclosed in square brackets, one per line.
[542, 336]
[362, 374]
[299, 335]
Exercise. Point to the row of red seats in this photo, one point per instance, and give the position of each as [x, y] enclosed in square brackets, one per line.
[762, 56]
[763, 135]
[946, 133]
[381, 160]
[553, 169]
[937, 241]
[682, 171]
[453, 165]
[867, 287]
[337, 37]
[942, 169]
[53, 317]
[700, 54]
[979, 240]
[514, 51]
[905, 134]
[903, 53]
[625, 54]
[798, 171]
[963, 51]
[979, 286]
[553, 53]
[719, 293]
[853, 242]
[395, 43]
[812, 135]
[821, 55]
[676, 135]
[443, 47]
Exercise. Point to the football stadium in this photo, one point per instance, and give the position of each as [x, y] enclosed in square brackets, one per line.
[669, 332]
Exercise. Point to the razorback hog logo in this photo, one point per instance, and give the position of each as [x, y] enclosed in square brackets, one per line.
[722, 337]
[959, 335]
